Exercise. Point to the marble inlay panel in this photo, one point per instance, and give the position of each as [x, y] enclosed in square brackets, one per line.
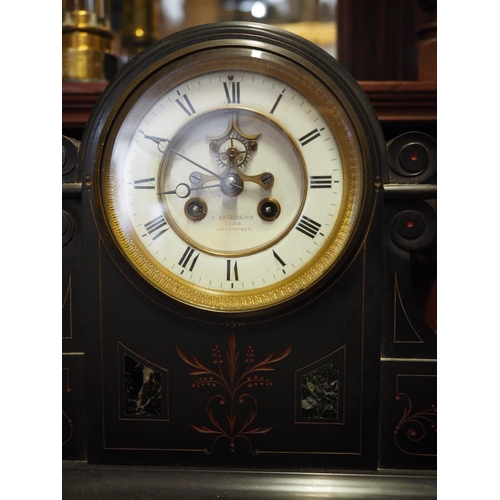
[143, 388]
[320, 392]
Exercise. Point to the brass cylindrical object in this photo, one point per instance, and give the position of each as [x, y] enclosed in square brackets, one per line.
[139, 26]
[86, 41]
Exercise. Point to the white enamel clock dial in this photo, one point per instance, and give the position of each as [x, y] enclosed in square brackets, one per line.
[233, 179]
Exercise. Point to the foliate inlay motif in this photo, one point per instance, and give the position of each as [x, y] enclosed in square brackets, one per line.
[414, 427]
[232, 408]
[67, 424]
[415, 433]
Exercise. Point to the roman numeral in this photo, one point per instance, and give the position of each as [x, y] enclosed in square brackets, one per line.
[144, 183]
[232, 271]
[320, 181]
[186, 259]
[233, 96]
[277, 101]
[280, 261]
[308, 226]
[306, 139]
[154, 227]
[189, 111]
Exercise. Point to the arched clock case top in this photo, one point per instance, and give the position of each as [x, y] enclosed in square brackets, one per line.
[232, 170]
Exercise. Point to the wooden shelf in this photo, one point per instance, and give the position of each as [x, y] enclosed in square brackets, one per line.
[403, 101]
[396, 101]
[78, 100]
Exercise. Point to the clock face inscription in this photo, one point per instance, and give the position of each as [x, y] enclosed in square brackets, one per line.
[231, 185]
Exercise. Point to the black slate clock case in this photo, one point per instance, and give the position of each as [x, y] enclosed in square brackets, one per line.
[342, 379]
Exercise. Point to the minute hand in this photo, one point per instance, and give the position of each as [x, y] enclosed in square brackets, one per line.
[197, 164]
[161, 141]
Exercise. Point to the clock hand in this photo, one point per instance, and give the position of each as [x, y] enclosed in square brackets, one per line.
[265, 180]
[182, 190]
[197, 164]
[164, 145]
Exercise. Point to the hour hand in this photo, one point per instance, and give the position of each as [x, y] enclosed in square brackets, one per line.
[182, 190]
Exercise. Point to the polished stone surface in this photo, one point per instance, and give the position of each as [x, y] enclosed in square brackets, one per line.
[142, 389]
[81, 481]
[320, 392]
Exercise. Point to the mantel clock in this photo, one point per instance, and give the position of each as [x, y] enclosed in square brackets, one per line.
[237, 265]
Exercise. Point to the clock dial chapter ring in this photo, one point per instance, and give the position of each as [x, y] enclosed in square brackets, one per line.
[283, 142]
[232, 224]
